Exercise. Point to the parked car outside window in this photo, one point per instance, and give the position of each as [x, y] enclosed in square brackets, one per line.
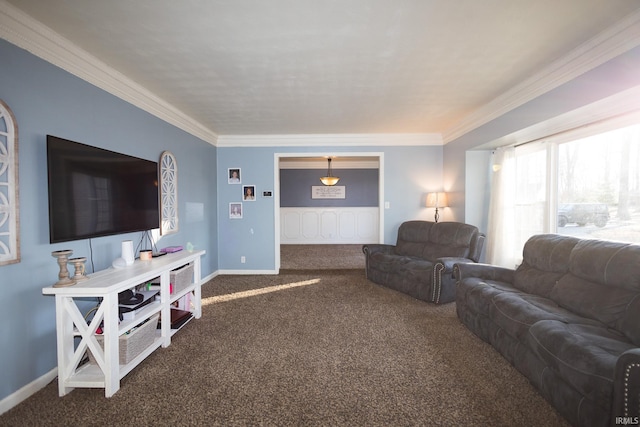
[583, 214]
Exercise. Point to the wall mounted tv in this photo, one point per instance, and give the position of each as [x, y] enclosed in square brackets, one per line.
[95, 192]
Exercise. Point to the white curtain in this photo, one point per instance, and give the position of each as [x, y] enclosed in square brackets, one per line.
[501, 248]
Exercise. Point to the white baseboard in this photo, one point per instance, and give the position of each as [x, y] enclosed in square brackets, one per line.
[33, 387]
[27, 391]
[248, 271]
[210, 276]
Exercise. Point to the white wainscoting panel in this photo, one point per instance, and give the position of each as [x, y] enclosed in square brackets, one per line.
[329, 225]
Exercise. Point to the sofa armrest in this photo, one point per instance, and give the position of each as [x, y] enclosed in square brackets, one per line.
[443, 281]
[483, 271]
[447, 263]
[372, 249]
[626, 386]
[377, 248]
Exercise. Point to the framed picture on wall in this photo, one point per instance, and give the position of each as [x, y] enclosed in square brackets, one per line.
[235, 210]
[233, 176]
[249, 193]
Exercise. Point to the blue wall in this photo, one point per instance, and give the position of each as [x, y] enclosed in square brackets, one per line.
[47, 100]
[361, 188]
[409, 172]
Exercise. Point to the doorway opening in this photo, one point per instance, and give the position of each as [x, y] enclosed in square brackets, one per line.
[316, 161]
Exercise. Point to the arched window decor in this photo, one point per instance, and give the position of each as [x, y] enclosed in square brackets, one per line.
[168, 193]
[9, 213]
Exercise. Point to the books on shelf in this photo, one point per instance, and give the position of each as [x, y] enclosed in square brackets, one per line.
[178, 318]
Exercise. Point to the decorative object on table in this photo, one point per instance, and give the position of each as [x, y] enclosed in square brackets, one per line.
[119, 263]
[146, 255]
[127, 252]
[190, 247]
[437, 200]
[168, 193]
[63, 275]
[329, 179]
[79, 271]
[172, 249]
[9, 212]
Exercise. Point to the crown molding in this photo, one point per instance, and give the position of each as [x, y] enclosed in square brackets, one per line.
[27, 33]
[614, 41]
[324, 140]
[615, 111]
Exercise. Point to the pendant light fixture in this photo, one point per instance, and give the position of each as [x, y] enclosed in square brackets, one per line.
[329, 179]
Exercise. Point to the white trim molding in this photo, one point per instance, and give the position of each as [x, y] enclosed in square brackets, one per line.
[23, 31]
[19, 396]
[324, 140]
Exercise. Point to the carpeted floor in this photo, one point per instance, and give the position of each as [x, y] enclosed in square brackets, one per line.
[308, 349]
[319, 257]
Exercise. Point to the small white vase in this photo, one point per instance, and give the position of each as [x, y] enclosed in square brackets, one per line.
[127, 252]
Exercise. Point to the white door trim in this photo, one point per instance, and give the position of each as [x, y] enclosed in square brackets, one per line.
[276, 190]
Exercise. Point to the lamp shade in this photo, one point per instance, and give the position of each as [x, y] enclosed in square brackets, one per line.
[329, 179]
[437, 200]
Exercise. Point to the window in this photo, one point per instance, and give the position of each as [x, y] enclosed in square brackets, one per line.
[599, 186]
[585, 186]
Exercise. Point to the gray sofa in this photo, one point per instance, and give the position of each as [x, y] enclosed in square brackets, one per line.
[568, 318]
[421, 263]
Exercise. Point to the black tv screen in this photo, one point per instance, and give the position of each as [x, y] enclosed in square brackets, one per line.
[95, 192]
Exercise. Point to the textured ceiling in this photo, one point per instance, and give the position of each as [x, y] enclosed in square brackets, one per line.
[243, 67]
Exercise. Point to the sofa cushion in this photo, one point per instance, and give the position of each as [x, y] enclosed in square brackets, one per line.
[389, 262]
[517, 312]
[545, 259]
[583, 355]
[477, 293]
[449, 239]
[412, 238]
[418, 268]
[603, 283]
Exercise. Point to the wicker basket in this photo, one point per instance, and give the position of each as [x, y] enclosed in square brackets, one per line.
[133, 343]
[181, 277]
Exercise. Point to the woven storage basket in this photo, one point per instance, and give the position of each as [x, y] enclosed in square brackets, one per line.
[181, 277]
[132, 344]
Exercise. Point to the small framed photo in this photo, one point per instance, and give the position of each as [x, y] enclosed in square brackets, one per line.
[235, 210]
[249, 193]
[233, 175]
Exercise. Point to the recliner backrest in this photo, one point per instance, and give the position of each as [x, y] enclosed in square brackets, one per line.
[431, 240]
[603, 283]
[545, 259]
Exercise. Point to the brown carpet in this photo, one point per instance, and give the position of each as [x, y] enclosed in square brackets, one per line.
[319, 257]
[329, 349]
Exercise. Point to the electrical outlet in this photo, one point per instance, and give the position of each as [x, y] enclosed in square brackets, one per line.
[243, 259]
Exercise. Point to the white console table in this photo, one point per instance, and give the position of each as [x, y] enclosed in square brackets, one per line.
[106, 372]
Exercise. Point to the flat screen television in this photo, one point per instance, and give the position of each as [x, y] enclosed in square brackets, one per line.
[95, 192]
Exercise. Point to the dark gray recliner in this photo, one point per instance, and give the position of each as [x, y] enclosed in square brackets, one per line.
[568, 318]
[421, 263]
